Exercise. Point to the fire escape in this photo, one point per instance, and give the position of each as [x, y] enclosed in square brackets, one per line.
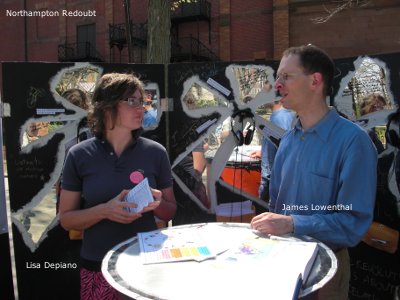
[182, 48]
[190, 48]
[117, 37]
[78, 52]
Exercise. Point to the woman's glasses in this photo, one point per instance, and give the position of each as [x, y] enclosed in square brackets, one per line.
[134, 102]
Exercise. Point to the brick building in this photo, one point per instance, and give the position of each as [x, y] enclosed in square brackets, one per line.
[228, 30]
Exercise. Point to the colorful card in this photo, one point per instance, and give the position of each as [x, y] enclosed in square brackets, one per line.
[171, 245]
[140, 195]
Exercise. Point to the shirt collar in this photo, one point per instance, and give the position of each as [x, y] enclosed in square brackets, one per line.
[108, 147]
[324, 127]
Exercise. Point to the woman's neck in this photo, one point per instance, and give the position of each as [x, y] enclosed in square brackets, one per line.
[120, 140]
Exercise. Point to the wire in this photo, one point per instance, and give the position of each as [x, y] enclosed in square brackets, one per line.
[235, 167]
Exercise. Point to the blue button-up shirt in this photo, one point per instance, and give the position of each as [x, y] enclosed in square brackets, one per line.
[325, 178]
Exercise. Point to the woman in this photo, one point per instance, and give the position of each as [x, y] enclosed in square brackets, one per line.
[372, 102]
[103, 169]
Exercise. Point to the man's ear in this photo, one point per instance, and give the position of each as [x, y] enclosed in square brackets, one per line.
[317, 79]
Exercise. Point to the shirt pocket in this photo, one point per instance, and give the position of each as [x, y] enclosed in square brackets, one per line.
[321, 189]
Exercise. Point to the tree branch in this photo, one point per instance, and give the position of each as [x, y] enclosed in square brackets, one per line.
[339, 6]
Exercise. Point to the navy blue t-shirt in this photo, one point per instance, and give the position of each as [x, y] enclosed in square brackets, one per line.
[93, 168]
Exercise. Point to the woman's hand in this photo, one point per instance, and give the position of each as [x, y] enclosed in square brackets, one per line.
[117, 209]
[157, 195]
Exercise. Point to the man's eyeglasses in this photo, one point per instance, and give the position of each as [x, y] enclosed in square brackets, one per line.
[286, 76]
[134, 102]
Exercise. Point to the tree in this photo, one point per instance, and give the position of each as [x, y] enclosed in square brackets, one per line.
[338, 6]
[159, 38]
[158, 32]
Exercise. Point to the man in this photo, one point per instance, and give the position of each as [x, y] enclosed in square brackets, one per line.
[150, 114]
[323, 181]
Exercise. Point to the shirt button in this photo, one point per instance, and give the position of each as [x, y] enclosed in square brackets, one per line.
[111, 153]
[303, 138]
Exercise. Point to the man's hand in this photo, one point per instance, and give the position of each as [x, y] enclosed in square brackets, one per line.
[271, 223]
[255, 154]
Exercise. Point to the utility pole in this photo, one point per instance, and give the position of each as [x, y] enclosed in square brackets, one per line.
[128, 28]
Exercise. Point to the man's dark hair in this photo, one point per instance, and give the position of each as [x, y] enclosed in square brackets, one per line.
[314, 59]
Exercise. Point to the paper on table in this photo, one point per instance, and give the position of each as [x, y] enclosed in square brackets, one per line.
[140, 195]
[298, 256]
[171, 245]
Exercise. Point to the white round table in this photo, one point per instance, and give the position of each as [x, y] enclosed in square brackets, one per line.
[123, 268]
